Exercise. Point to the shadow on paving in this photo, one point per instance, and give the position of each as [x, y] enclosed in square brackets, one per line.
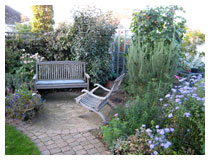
[60, 111]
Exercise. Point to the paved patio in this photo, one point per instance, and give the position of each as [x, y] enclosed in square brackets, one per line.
[64, 127]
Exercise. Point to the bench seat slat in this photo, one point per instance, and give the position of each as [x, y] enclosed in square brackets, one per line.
[50, 82]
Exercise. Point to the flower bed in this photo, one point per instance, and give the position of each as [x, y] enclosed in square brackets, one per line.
[23, 104]
[181, 127]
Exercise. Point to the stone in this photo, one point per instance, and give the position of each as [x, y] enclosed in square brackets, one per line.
[81, 152]
[81, 139]
[46, 152]
[66, 137]
[42, 148]
[48, 142]
[52, 146]
[92, 151]
[98, 145]
[66, 148]
[74, 144]
[55, 151]
[89, 146]
[77, 136]
[71, 152]
[40, 144]
[62, 144]
[65, 131]
[45, 139]
[77, 148]
[56, 137]
[70, 140]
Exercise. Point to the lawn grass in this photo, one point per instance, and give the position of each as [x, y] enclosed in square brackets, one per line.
[16, 143]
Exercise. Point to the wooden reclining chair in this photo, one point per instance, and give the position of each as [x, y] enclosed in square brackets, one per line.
[95, 103]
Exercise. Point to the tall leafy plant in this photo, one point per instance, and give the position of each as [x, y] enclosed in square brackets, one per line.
[151, 68]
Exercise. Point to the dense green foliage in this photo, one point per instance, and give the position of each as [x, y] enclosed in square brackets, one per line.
[23, 104]
[23, 28]
[17, 143]
[159, 23]
[19, 67]
[88, 40]
[130, 117]
[43, 18]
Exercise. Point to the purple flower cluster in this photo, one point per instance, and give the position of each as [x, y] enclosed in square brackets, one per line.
[180, 94]
[158, 138]
[16, 104]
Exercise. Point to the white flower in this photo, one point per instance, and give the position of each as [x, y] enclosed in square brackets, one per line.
[170, 115]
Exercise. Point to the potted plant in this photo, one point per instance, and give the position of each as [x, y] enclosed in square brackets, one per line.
[110, 82]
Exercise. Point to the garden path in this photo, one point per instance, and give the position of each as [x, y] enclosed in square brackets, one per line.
[64, 127]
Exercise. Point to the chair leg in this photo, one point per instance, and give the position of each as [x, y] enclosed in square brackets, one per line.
[111, 106]
[102, 116]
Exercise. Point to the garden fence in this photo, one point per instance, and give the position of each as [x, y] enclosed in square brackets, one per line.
[23, 36]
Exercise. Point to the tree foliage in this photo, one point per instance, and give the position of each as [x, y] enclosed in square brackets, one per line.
[43, 18]
[157, 23]
[191, 41]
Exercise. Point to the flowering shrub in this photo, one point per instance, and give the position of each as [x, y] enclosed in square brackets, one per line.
[20, 67]
[134, 144]
[185, 109]
[23, 104]
[181, 125]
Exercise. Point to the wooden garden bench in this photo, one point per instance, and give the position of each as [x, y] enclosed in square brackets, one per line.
[60, 74]
[95, 103]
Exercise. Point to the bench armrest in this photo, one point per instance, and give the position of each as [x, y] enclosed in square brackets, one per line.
[98, 97]
[87, 75]
[35, 77]
[106, 89]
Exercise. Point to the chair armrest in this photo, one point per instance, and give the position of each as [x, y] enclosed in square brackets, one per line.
[87, 75]
[106, 89]
[35, 77]
[98, 97]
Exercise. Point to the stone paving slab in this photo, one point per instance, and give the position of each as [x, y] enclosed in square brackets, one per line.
[65, 136]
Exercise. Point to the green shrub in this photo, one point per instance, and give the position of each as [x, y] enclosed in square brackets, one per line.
[113, 131]
[23, 28]
[159, 23]
[151, 69]
[129, 118]
[12, 59]
[20, 68]
[88, 40]
[23, 104]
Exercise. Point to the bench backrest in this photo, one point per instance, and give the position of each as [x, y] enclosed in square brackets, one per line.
[52, 70]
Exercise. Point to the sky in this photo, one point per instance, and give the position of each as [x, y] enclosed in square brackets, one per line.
[195, 10]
